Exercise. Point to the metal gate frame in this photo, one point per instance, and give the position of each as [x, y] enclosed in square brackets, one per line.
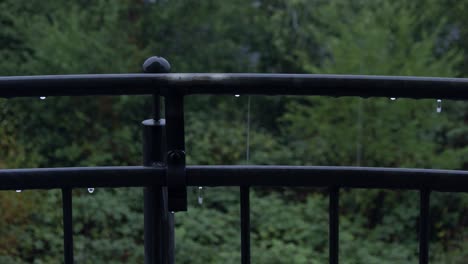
[165, 176]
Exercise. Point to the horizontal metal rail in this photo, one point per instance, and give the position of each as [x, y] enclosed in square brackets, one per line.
[74, 177]
[317, 176]
[221, 83]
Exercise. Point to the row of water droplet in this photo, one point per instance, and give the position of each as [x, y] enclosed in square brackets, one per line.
[438, 107]
[90, 190]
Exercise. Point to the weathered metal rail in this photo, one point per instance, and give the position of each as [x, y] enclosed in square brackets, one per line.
[235, 83]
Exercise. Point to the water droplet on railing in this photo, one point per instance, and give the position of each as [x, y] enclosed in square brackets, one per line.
[237, 95]
[439, 106]
[393, 98]
[200, 195]
[90, 190]
[18, 191]
[42, 97]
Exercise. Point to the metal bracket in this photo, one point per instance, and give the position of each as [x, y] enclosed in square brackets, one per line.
[176, 176]
[176, 181]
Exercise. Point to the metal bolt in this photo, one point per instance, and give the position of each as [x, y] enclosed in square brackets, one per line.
[175, 155]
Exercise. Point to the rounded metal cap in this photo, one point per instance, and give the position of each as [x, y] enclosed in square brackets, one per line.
[156, 64]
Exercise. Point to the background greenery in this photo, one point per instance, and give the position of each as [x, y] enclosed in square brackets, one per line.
[427, 38]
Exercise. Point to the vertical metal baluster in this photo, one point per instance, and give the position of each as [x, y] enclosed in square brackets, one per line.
[155, 209]
[148, 227]
[153, 149]
[171, 237]
[67, 225]
[333, 214]
[167, 238]
[245, 224]
[153, 225]
[424, 226]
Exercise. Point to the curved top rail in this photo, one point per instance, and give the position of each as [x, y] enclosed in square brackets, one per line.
[237, 83]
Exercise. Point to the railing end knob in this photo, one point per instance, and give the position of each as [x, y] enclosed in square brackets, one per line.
[156, 64]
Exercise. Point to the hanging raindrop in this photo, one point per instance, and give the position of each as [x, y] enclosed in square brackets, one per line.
[439, 106]
[200, 195]
[18, 191]
[90, 190]
[42, 97]
[393, 98]
[237, 95]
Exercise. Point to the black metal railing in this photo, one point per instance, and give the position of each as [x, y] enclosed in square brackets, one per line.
[165, 176]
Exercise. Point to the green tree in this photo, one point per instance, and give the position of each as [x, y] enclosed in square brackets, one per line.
[354, 37]
[380, 38]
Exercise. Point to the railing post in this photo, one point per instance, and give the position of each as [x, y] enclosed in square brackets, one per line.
[153, 133]
[157, 219]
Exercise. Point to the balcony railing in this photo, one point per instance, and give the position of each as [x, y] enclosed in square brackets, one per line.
[165, 176]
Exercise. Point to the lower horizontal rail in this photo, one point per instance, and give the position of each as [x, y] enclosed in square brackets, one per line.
[74, 177]
[316, 176]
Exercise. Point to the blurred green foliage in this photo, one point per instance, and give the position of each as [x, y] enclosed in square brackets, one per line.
[426, 38]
